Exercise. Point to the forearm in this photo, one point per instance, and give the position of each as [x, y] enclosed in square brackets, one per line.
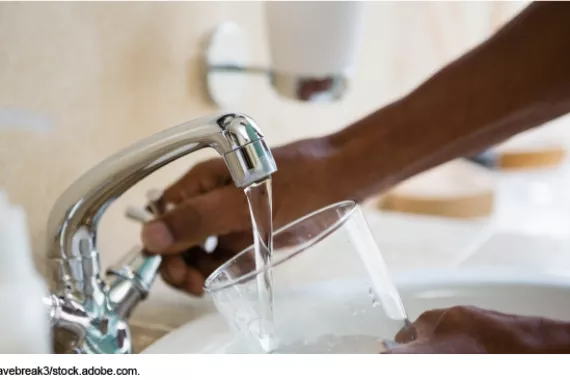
[518, 79]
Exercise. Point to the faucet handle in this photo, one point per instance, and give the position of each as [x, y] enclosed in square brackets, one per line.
[137, 267]
[131, 279]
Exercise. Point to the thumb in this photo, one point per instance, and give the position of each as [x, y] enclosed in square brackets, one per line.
[216, 213]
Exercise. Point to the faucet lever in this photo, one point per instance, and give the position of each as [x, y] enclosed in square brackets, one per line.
[135, 274]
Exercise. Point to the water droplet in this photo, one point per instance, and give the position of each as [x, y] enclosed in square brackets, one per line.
[372, 294]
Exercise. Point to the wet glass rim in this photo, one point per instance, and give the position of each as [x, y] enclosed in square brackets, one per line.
[303, 247]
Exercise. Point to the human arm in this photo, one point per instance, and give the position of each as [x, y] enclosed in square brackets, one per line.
[516, 80]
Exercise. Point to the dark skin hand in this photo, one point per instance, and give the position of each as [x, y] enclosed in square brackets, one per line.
[208, 203]
[471, 330]
[516, 80]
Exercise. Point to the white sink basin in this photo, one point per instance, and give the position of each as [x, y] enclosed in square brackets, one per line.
[511, 291]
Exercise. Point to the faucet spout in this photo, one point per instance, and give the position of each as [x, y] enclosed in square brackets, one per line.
[73, 257]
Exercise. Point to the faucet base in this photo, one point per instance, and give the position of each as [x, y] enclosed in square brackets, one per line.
[75, 331]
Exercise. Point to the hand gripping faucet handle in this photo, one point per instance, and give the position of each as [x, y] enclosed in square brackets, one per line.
[132, 268]
[143, 216]
[158, 207]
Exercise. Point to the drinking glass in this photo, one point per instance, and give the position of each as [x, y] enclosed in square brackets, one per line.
[331, 289]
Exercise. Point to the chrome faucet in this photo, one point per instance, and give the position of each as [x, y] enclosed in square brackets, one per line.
[89, 314]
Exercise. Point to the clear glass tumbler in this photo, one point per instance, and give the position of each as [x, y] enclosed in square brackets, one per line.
[331, 289]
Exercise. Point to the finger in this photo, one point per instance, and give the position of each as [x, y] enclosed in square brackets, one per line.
[177, 274]
[422, 327]
[431, 317]
[188, 271]
[206, 263]
[217, 213]
[201, 179]
[429, 320]
[407, 334]
[194, 282]
[173, 270]
[235, 242]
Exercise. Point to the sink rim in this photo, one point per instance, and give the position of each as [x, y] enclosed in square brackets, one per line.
[483, 275]
[409, 282]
